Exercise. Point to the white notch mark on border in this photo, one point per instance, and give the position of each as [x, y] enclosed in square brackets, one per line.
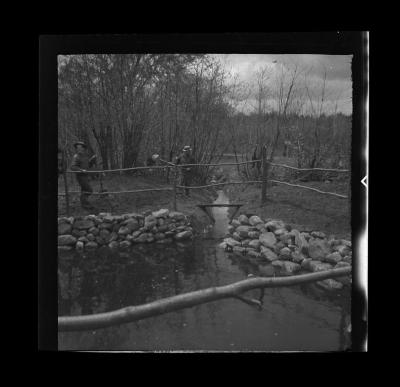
[364, 181]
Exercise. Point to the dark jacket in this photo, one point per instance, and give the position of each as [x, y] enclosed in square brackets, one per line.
[184, 158]
[81, 161]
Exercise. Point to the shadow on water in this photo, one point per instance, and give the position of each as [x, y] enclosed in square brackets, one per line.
[293, 318]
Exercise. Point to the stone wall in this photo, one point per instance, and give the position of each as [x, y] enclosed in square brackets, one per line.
[122, 231]
[288, 250]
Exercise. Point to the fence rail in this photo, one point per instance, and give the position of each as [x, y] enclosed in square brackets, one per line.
[211, 165]
[175, 167]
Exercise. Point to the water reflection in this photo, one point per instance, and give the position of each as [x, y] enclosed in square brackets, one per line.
[296, 318]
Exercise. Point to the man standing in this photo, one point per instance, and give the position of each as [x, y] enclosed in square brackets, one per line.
[186, 172]
[81, 163]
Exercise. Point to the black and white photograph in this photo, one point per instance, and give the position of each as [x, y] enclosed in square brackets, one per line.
[204, 201]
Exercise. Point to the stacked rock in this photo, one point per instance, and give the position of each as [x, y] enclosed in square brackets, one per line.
[288, 250]
[121, 231]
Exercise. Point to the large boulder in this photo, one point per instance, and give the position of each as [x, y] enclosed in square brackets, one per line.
[330, 284]
[300, 241]
[245, 242]
[91, 245]
[268, 254]
[64, 228]
[78, 233]
[274, 225]
[231, 242]
[123, 230]
[235, 223]
[113, 237]
[342, 250]
[347, 259]
[254, 234]
[297, 256]
[243, 231]
[236, 236]
[149, 222]
[83, 224]
[132, 225]
[287, 238]
[285, 254]
[254, 220]
[105, 234]
[255, 244]
[268, 239]
[320, 266]
[66, 240]
[318, 234]
[113, 245]
[280, 231]
[342, 264]
[231, 229]
[183, 235]
[289, 268]
[333, 258]
[93, 230]
[106, 225]
[176, 215]
[243, 219]
[345, 243]
[260, 227]
[90, 237]
[163, 213]
[80, 245]
[163, 228]
[318, 249]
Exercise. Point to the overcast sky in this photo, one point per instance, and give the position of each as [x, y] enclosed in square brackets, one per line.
[338, 82]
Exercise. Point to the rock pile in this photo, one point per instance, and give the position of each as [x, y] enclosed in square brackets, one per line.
[288, 250]
[121, 231]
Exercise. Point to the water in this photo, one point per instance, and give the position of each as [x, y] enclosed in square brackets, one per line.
[293, 318]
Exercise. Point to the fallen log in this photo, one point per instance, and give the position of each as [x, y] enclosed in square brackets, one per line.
[187, 300]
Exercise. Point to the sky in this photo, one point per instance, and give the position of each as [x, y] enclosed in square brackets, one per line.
[338, 76]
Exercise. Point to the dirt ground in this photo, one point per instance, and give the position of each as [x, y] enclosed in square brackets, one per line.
[303, 209]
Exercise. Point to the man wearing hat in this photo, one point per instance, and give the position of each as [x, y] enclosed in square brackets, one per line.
[186, 172]
[81, 163]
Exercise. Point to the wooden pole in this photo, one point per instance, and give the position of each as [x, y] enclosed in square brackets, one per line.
[187, 300]
[174, 178]
[65, 185]
[264, 175]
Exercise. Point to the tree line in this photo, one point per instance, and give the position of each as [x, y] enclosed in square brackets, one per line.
[127, 107]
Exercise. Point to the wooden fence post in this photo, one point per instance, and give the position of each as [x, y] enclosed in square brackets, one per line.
[264, 175]
[66, 189]
[175, 176]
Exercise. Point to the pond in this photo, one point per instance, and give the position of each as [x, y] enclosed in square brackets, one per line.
[297, 318]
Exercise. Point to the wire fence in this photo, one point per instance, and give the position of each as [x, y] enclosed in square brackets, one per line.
[174, 186]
